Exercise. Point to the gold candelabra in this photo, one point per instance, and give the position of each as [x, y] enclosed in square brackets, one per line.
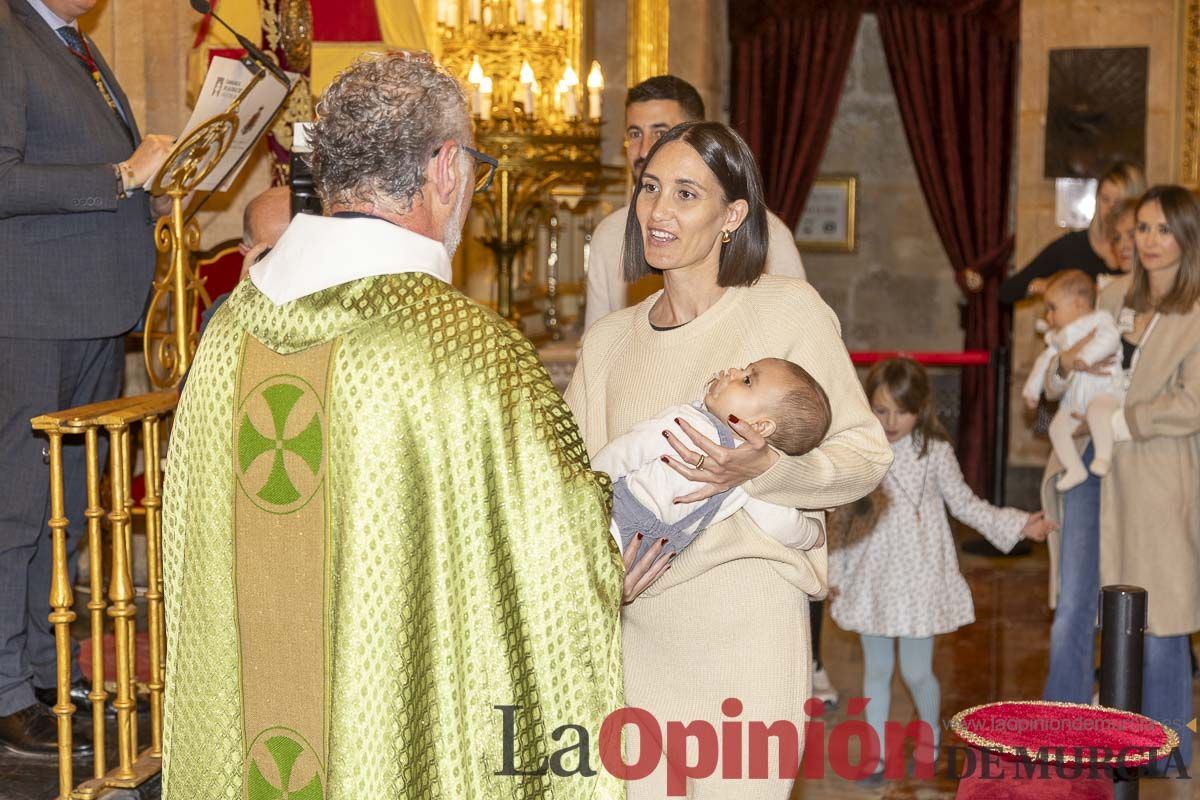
[546, 140]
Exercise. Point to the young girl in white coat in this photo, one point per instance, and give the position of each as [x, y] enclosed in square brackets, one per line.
[895, 576]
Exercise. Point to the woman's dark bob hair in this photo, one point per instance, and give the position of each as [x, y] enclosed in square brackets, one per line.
[730, 160]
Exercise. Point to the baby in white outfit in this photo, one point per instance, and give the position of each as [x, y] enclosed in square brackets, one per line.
[1071, 313]
[777, 398]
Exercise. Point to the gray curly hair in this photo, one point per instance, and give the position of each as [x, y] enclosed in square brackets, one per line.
[379, 123]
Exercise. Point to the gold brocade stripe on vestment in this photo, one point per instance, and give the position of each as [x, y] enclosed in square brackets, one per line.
[281, 515]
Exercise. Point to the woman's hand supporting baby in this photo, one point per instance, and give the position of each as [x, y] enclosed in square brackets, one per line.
[721, 467]
[645, 570]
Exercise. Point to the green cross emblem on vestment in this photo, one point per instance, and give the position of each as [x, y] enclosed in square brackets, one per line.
[288, 480]
[284, 752]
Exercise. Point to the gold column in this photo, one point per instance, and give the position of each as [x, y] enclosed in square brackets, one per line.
[96, 603]
[131, 619]
[1189, 101]
[649, 33]
[152, 502]
[61, 615]
[122, 609]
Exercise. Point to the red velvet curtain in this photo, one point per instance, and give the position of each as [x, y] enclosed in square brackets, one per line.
[953, 68]
[789, 65]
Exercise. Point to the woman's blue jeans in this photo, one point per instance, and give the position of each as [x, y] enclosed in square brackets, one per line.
[1073, 633]
[1166, 665]
[1167, 686]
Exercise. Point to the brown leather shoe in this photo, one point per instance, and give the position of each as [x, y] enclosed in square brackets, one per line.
[33, 731]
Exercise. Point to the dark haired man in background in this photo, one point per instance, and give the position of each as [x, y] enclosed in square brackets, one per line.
[652, 108]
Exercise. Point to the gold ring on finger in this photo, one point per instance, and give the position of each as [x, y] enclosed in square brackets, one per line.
[700, 461]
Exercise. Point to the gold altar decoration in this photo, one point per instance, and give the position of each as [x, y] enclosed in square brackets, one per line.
[169, 337]
[1189, 163]
[521, 61]
[122, 420]
[648, 23]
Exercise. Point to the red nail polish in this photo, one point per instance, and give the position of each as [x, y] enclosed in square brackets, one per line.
[666, 460]
[734, 419]
[677, 421]
[666, 435]
[639, 536]
[662, 541]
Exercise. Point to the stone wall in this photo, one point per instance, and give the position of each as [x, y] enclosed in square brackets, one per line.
[1051, 24]
[897, 290]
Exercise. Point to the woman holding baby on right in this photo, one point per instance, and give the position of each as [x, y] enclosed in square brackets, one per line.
[1126, 486]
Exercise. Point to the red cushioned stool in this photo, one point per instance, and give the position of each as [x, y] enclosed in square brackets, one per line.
[1024, 750]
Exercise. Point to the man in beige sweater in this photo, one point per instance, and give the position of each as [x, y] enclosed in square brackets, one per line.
[652, 108]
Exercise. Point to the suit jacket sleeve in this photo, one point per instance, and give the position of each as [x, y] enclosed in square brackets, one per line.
[40, 188]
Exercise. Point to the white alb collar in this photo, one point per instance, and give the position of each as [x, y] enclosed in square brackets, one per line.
[316, 253]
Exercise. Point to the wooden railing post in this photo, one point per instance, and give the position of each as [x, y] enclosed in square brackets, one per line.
[152, 502]
[121, 608]
[96, 603]
[61, 615]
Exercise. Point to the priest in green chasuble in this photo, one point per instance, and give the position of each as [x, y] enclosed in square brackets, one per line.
[387, 564]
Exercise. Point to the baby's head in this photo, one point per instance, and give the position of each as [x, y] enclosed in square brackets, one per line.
[1069, 295]
[779, 399]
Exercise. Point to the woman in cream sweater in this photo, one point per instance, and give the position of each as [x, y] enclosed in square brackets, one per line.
[1140, 525]
[727, 618]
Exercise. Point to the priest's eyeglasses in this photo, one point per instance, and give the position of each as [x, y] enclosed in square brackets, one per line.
[485, 168]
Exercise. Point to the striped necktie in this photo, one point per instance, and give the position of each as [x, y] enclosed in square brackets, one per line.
[78, 47]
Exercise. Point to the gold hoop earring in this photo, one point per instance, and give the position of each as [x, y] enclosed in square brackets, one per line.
[724, 237]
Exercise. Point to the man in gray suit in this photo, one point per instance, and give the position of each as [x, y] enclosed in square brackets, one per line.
[76, 262]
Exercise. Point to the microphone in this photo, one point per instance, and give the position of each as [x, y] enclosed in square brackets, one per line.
[203, 7]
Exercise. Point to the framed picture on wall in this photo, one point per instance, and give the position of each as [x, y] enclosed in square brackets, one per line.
[827, 223]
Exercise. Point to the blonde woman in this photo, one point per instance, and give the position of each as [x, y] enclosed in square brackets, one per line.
[1089, 249]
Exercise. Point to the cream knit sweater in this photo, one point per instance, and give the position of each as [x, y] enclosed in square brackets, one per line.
[730, 618]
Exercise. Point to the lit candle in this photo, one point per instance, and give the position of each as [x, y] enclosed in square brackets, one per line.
[521, 12]
[559, 91]
[441, 12]
[570, 101]
[534, 92]
[539, 15]
[451, 13]
[485, 99]
[476, 11]
[487, 14]
[560, 13]
[475, 78]
[526, 79]
[595, 84]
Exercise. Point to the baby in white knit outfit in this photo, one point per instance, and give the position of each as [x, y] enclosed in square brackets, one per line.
[1071, 314]
[777, 398]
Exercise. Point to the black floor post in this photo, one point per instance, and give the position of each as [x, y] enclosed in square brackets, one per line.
[1122, 636]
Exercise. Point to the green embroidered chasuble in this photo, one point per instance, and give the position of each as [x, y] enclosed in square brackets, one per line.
[380, 525]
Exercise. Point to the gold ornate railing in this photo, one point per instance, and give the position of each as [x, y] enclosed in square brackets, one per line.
[148, 417]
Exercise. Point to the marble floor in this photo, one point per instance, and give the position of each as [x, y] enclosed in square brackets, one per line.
[1001, 656]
